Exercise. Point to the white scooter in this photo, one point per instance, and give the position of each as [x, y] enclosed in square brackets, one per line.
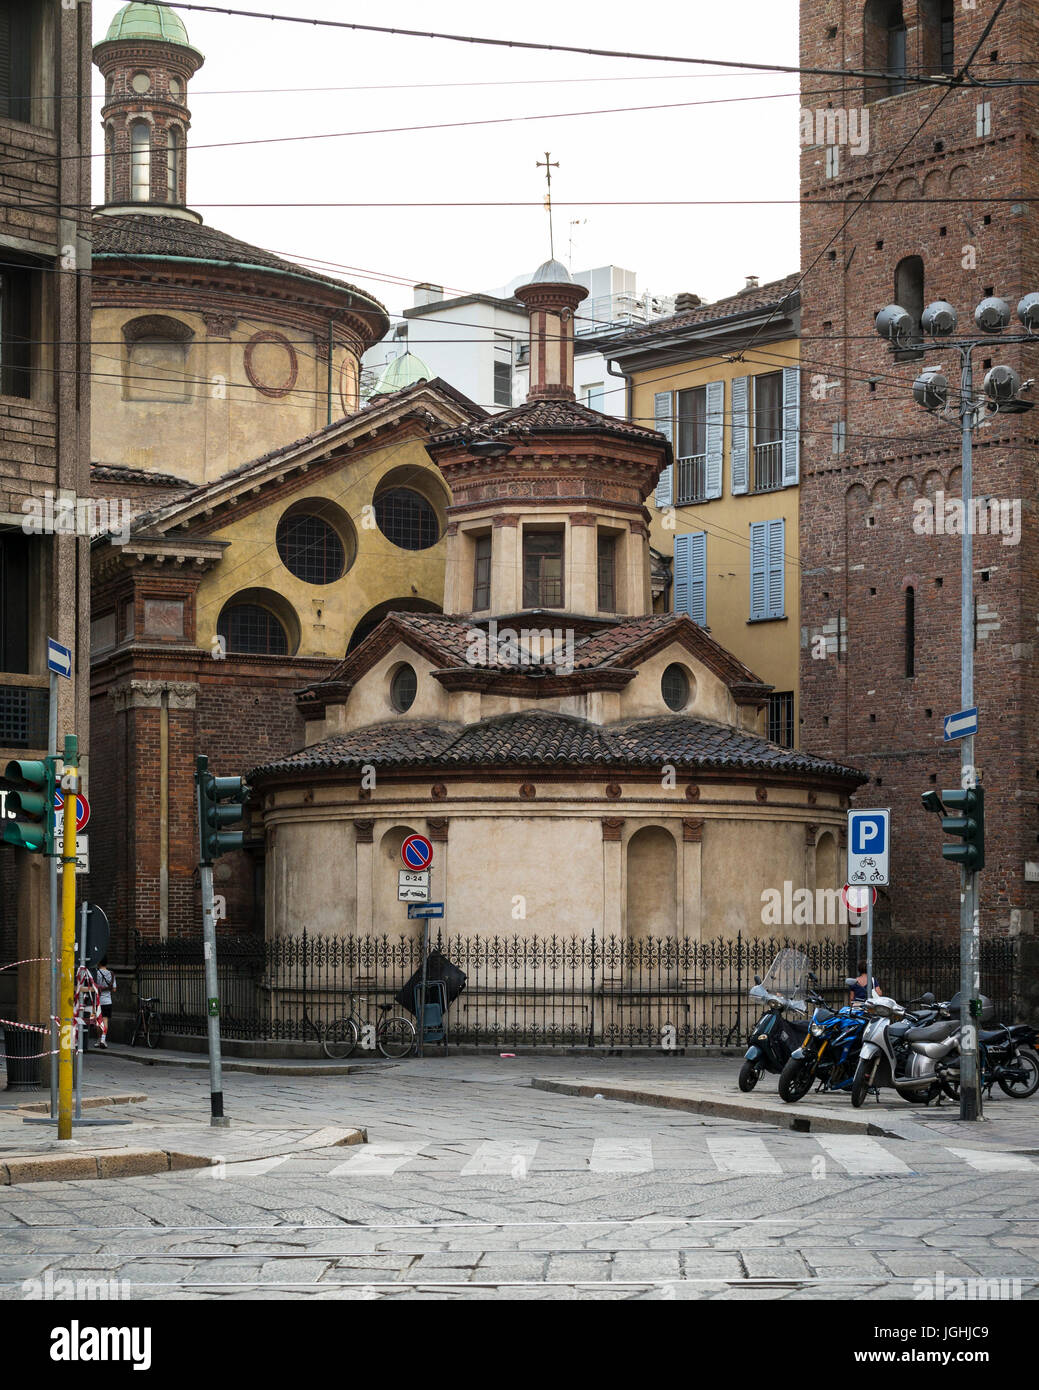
[900, 1049]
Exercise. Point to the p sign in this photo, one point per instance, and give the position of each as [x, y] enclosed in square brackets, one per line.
[869, 847]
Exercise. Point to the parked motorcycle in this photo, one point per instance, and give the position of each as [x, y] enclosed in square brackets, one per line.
[1007, 1057]
[829, 1053]
[775, 1036]
[904, 1050]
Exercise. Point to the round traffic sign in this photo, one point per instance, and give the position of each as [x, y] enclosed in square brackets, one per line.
[82, 808]
[416, 852]
[855, 897]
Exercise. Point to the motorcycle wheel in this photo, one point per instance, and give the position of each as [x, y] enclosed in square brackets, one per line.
[749, 1076]
[922, 1097]
[1024, 1058]
[860, 1086]
[795, 1080]
[951, 1085]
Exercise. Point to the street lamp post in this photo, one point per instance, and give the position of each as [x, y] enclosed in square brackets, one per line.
[931, 390]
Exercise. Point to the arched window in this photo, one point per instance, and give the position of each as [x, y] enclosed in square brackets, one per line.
[910, 631]
[140, 161]
[884, 48]
[156, 363]
[109, 164]
[252, 629]
[909, 292]
[174, 156]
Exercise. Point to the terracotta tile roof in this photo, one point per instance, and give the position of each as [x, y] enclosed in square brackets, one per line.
[540, 738]
[125, 235]
[550, 417]
[746, 301]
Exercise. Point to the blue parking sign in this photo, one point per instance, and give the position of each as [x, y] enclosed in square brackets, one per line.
[869, 846]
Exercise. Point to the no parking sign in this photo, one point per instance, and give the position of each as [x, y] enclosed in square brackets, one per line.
[416, 852]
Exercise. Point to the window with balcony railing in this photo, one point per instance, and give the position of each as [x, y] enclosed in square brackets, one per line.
[543, 569]
[768, 432]
[691, 454]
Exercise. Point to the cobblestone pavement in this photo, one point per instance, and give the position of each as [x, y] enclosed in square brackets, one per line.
[475, 1185]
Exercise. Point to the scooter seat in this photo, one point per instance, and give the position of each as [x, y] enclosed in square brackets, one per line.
[933, 1032]
[996, 1035]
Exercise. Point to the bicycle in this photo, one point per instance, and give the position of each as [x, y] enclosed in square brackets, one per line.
[148, 1024]
[394, 1037]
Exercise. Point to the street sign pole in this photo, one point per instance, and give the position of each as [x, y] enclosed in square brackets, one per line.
[81, 1030]
[216, 1081]
[869, 946]
[70, 781]
[52, 874]
[970, 963]
[425, 971]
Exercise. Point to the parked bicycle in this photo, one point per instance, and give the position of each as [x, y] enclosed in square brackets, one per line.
[395, 1036]
[148, 1025]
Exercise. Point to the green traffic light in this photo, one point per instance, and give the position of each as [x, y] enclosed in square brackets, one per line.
[968, 825]
[29, 805]
[212, 815]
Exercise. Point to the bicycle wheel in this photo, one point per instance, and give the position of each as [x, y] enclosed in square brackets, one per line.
[340, 1039]
[153, 1030]
[396, 1037]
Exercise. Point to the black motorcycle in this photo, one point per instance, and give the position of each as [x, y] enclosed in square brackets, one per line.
[775, 1036]
[1007, 1056]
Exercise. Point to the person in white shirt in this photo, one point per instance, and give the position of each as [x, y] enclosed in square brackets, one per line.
[106, 987]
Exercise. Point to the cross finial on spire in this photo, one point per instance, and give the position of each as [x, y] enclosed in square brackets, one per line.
[548, 165]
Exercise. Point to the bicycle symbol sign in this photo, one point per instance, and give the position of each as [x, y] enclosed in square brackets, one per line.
[869, 846]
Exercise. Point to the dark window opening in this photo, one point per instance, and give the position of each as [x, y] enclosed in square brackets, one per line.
[503, 383]
[403, 689]
[910, 632]
[407, 519]
[310, 549]
[692, 446]
[674, 686]
[17, 26]
[607, 565]
[482, 574]
[768, 432]
[14, 602]
[884, 48]
[253, 631]
[909, 293]
[781, 718]
[543, 569]
[15, 332]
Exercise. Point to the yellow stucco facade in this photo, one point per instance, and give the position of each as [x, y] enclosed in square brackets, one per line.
[770, 647]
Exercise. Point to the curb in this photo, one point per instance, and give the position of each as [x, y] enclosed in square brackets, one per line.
[42, 1107]
[796, 1118]
[132, 1163]
[226, 1064]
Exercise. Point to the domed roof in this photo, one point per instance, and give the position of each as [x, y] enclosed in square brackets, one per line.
[148, 22]
[402, 371]
[551, 273]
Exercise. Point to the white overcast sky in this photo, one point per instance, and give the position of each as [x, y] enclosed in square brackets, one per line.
[355, 82]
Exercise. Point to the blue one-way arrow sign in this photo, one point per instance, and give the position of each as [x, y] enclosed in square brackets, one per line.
[425, 909]
[59, 659]
[961, 725]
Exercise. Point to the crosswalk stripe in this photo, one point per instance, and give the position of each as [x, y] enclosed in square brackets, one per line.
[253, 1168]
[378, 1159]
[742, 1154]
[507, 1157]
[862, 1156]
[994, 1162]
[622, 1156]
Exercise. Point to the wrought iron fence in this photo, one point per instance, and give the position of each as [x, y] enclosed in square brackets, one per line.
[529, 991]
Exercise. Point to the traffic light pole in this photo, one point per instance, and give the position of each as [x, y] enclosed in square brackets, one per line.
[52, 872]
[970, 942]
[216, 1080]
[70, 784]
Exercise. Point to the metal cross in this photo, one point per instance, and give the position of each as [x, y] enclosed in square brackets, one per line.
[548, 165]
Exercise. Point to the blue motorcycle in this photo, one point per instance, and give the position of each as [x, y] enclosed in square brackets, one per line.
[774, 1036]
[829, 1055]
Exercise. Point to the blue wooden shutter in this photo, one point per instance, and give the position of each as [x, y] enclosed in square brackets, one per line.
[715, 393]
[690, 586]
[739, 451]
[776, 567]
[663, 412]
[759, 569]
[791, 425]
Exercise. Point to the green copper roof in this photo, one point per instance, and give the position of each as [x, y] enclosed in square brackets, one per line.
[148, 22]
[401, 372]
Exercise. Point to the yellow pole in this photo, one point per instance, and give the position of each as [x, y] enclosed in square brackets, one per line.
[68, 940]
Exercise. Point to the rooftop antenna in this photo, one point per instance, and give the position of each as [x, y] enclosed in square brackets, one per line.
[548, 165]
[575, 222]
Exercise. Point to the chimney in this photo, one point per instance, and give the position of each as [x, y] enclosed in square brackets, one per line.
[752, 283]
[551, 298]
[428, 294]
[685, 301]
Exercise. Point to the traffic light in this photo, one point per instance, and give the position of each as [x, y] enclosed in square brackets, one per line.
[220, 801]
[28, 821]
[968, 822]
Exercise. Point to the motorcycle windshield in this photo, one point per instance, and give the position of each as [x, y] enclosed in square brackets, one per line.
[788, 974]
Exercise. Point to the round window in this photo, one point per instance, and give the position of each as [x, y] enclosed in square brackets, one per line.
[310, 548]
[406, 518]
[403, 689]
[674, 686]
[141, 83]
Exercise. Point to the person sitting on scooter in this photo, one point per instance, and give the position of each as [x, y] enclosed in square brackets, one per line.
[859, 993]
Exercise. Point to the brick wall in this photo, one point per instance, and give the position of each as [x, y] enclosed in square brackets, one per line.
[860, 551]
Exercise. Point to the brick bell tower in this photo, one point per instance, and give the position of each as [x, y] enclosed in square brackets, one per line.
[147, 62]
[942, 183]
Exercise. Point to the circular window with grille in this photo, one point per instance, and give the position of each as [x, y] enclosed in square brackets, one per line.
[310, 548]
[403, 688]
[674, 686]
[141, 83]
[406, 518]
